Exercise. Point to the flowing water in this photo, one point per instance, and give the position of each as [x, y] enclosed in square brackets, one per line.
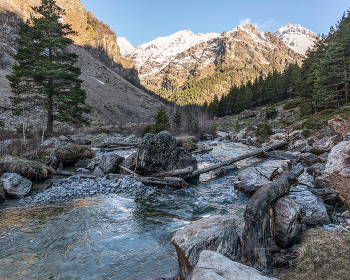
[113, 237]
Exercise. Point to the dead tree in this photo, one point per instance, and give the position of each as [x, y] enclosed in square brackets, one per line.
[257, 233]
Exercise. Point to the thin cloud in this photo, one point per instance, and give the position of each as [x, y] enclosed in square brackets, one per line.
[244, 21]
[264, 24]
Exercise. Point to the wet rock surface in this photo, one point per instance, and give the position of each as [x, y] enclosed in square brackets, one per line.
[216, 233]
[250, 180]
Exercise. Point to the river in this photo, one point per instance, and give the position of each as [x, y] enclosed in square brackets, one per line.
[112, 236]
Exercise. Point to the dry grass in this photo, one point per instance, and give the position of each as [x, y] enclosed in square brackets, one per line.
[323, 255]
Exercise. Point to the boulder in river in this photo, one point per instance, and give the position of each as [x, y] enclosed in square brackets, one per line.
[286, 222]
[109, 163]
[160, 153]
[216, 233]
[338, 170]
[250, 180]
[313, 211]
[15, 185]
[214, 266]
[32, 170]
[71, 154]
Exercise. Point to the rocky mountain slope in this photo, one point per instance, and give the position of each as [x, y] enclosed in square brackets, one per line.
[296, 37]
[209, 63]
[102, 64]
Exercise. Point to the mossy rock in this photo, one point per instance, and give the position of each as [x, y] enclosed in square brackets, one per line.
[71, 154]
[32, 170]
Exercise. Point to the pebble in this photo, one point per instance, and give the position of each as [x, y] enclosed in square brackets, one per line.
[76, 187]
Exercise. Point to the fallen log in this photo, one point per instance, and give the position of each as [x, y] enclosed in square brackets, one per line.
[202, 151]
[66, 173]
[237, 158]
[116, 144]
[256, 250]
[128, 170]
[174, 172]
[118, 148]
[166, 181]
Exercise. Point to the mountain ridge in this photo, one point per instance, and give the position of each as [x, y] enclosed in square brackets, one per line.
[166, 64]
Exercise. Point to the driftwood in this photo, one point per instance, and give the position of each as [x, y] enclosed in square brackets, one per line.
[66, 173]
[118, 148]
[116, 144]
[166, 181]
[174, 172]
[202, 151]
[237, 158]
[128, 170]
[256, 251]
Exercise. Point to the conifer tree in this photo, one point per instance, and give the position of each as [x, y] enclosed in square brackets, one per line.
[177, 120]
[162, 119]
[45, 68]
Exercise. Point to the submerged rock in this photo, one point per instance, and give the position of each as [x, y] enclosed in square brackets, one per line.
[250, 180]
[338, 170]
[160, 153]
[286, 222]
[15, 185]
[216, 233]
[214, 266]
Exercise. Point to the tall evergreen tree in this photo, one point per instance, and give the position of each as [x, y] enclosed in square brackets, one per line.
[162, 119]
[45, 67]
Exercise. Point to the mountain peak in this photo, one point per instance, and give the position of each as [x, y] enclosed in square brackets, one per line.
[299, 39]
[125, 46]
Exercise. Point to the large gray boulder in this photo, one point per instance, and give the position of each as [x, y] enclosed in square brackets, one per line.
[286, 222]
[216, 233]
[250, 180]
[214, 266]
[15, 185]
[71, 154]
[313, 211]
[109, 163]
[338, 170]
[160, 153]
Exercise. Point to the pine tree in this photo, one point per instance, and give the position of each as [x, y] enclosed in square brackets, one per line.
[162, 119]
[177, 120]
[45, 68]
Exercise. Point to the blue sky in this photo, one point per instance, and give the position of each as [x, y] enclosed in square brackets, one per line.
[141, 21]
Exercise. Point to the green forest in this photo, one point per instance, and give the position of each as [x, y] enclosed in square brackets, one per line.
[322, 82]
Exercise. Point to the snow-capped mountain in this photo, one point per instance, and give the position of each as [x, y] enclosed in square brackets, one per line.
[125, 46]
[163, 50]
[296, 37]
[244, 52]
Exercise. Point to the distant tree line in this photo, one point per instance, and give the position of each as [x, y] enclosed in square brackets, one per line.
[322, 82]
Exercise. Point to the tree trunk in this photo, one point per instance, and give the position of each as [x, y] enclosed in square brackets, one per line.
[257, 233]
[49, 108]
[237, 158]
